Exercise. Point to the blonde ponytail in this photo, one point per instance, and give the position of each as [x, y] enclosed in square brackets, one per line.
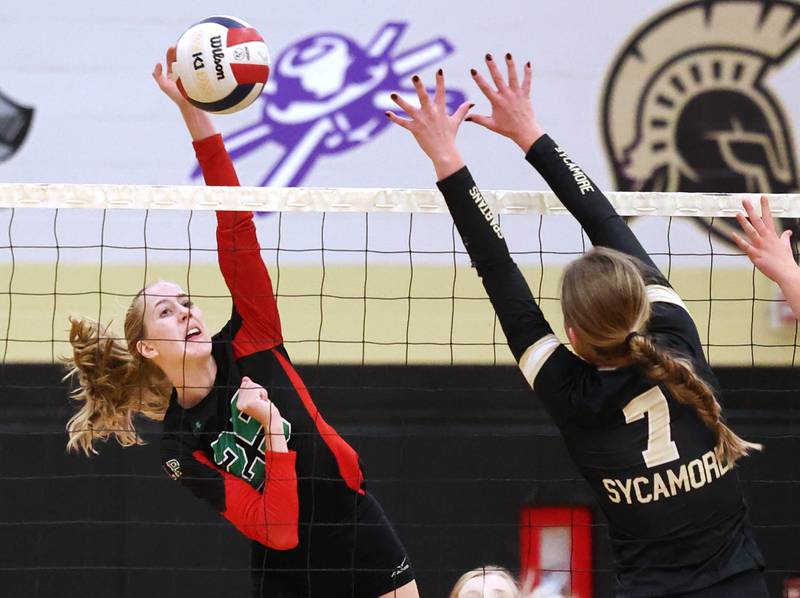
[607, 282]
[114, 383]
[689, 389]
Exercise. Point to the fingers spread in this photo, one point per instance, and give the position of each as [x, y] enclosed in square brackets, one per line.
[766, 214]
[462, 110]
[483, 85]
[422, 93]
[403, 122]
[527, 76]
[751, 233]
[400, 101]
[494, 71]
[439, 98]
[484, 121]
[741, 243]
[513, 83]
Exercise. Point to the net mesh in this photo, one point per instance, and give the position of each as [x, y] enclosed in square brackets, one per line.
[367, 278]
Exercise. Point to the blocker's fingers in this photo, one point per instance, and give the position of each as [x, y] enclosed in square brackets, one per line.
[748, 229]
[513, 82]
[461, 112]
[400, 101]
[403, 122]
[157, 71]
[766, 214]
[422, 93]
[494, 71]
[742, 244]
[527, 77]
[484, 121]
[439, 98]
[755, 219]
[483, 85]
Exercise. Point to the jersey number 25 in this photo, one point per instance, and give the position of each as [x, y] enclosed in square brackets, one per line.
[660, 446]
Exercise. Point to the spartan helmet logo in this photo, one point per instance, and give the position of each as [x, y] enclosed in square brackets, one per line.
[686, 108]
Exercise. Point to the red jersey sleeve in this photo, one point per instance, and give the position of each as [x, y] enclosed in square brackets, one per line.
[240, 258]
[269, 517]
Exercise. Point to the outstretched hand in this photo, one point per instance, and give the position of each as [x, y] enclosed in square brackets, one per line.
[433, 128]
[512, 113]
[769, 253]
[197, 122]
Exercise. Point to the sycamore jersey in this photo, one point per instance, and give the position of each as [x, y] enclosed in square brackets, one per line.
[677, 519]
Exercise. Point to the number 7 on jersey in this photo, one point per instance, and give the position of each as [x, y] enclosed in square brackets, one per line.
[660, 446]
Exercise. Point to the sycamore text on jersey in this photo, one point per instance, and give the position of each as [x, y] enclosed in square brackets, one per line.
[690, 476]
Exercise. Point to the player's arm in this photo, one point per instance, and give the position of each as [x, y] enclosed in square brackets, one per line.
[239, 255]
[269, 517]
[512, 116]
[771, 254]
[528, 334]
[238, 249]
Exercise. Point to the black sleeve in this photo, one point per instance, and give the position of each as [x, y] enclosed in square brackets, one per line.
[522, 321]
[182, 466]
[588, 205]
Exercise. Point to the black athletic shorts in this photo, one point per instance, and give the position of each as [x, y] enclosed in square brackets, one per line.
[749, 584]
[359, 559]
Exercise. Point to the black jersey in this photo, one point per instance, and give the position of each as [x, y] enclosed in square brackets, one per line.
[677, 519]
[302, 508]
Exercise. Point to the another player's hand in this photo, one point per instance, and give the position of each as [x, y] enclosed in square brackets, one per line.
[165, 82]
[433, 128]
[771, 254]
[253, 400]
[512, 113]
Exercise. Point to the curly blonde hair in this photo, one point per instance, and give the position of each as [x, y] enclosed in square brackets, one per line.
[115, 382]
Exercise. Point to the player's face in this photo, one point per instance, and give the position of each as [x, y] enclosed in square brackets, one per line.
[173, 326]
[490, 585]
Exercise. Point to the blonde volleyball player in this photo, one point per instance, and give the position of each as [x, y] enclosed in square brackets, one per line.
[636, 403]
[771, 254]
[241, 431]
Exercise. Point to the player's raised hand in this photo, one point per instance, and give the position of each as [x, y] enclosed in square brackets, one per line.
[512, 113]
[771, 254]
[433, 128]
[252, 399]
[165, 81]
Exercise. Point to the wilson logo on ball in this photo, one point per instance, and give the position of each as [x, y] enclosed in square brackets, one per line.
[221, 65]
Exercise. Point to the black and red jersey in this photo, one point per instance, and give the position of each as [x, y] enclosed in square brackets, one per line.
[218, 452]
[677, 519]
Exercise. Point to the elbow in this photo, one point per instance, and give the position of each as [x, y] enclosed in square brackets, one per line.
[278, 536]
[284, 540]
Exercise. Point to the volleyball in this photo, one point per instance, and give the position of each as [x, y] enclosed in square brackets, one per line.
[221, 64]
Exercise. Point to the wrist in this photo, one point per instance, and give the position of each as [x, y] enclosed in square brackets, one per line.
[447, 165]
[527, 137]
[790, 280]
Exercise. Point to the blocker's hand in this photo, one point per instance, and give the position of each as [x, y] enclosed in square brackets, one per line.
[433, 128]
[769, 253]
[512, 113]
[253, 400]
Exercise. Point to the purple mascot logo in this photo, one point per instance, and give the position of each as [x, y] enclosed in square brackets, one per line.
[328, 95]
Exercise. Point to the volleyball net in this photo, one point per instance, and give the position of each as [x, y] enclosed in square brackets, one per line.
[366, 278]
[361, 275]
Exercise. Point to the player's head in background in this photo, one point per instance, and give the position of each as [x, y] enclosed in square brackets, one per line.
[606, 310]
[164, 338]
[489, 581]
